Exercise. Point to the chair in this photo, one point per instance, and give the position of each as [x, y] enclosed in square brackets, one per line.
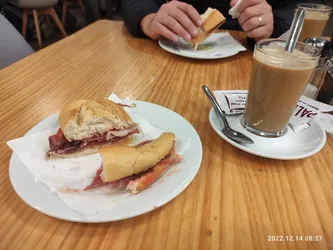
[37, 8]
[68, 3]
[13, 46]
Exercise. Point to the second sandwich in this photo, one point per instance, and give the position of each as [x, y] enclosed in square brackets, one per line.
[136, 168]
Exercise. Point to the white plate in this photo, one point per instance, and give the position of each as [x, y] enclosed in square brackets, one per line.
[38, 196]
[291, 146]
[217, 46]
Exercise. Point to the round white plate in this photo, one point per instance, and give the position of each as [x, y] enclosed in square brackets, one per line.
[291, 146]
[217, 46]
[38, 196]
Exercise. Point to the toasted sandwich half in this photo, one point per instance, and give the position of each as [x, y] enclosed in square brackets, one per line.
[88, 125]
[136, 168]
[212, 20]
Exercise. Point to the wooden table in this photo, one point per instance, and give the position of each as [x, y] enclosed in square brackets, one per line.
[236, 201]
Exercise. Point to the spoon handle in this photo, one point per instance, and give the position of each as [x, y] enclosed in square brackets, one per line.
[295, 30]
[215, 105]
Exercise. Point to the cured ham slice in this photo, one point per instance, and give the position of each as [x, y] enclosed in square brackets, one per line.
[137, 185]
[139, 182]
[60, 145]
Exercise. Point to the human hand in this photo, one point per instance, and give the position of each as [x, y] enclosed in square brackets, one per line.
[172, 20]
[256, 18]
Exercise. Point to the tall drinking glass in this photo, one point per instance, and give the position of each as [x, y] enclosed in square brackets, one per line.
[277, 81]
[316, 18]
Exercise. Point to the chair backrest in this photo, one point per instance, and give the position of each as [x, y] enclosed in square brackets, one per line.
[13, 46]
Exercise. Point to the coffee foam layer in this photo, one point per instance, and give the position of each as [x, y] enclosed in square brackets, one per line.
[275, 55]
[316, 15]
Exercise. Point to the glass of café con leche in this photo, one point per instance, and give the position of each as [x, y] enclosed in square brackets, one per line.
[316, 18]
[277, 81]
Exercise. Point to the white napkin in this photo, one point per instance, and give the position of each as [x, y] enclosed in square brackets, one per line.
[326, 122]
[306, 111]
[218, 44]
[65, 176]
[233, 12]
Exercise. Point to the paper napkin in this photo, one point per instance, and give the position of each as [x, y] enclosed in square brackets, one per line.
[216, 45]
[233, 12]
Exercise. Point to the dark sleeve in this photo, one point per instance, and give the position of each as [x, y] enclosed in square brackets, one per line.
[133, 11]
[284, 14]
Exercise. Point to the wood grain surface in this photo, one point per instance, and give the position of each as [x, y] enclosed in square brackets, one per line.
[235, 202]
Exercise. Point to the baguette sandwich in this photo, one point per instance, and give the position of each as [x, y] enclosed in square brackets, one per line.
[135, 168]
[212, 20]
[87, 125]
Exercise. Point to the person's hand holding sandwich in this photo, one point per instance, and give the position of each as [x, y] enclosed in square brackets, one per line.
[176, 18]
[173, 19]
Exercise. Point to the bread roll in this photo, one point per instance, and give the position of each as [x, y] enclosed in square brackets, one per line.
[120, 161]
[81, 119]
[212, 19]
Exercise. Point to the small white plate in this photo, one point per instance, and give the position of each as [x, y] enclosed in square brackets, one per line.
[218, 45]
[291, 146]
[39, 197]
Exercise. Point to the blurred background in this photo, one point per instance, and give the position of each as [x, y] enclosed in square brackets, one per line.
[78, 14]
[329, 28]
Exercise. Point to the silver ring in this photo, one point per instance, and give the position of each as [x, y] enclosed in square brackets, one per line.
[260, 20]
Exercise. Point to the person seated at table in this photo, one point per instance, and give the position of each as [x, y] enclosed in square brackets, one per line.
[157, 18]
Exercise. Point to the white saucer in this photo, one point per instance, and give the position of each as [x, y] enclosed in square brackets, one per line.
[217, 46]
[291, 146]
